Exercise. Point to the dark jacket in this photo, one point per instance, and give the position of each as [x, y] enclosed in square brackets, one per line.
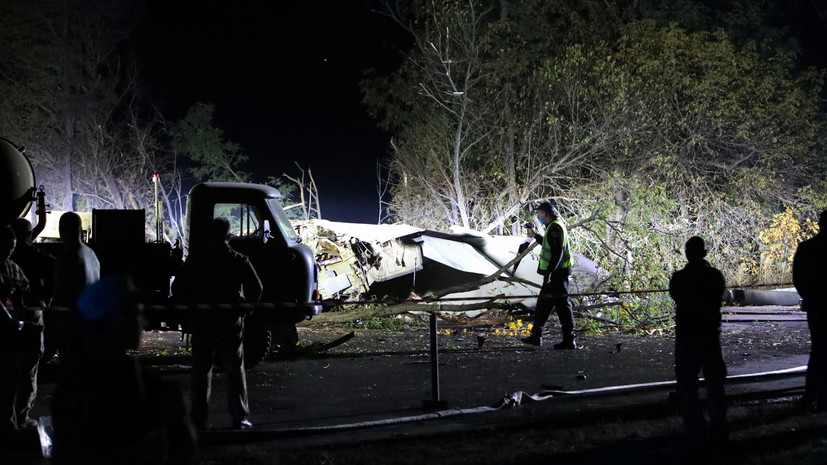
[810, 271]
[698, 291]
[77, 267]
[218, 275]
[39, 267]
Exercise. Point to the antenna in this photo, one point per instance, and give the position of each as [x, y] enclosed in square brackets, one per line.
[159, 211]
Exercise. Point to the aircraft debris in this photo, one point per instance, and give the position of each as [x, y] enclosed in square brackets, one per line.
[361, 261]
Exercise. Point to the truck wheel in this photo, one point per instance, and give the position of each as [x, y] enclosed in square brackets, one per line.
[257, 342]
[285, 339]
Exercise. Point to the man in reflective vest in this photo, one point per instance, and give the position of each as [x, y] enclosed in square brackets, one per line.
[555, 267]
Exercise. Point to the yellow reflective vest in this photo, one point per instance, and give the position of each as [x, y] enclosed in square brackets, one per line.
[546, 265]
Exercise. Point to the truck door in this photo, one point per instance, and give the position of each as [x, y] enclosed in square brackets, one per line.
[269, 254]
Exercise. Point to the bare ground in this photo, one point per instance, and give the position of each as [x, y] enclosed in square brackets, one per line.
[774, 433]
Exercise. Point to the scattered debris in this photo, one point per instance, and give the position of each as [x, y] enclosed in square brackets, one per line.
[319, 347]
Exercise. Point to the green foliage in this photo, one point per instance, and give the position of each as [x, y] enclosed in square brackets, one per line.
[638, 313]
[653, 312]
[639, 232]
[729, 119]
[777, 243]
[649, 121]
[213, 158]
[288, 201]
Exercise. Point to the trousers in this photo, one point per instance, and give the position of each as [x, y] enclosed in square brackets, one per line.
[815, 387]
[225, 338]
[694, 353]
[554, 295]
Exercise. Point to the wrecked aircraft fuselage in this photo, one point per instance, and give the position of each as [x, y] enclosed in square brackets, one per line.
[360, 261]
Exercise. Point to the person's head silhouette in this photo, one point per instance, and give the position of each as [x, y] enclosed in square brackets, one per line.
[695, 249]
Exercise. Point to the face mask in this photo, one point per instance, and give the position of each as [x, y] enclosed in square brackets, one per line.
[542, 221]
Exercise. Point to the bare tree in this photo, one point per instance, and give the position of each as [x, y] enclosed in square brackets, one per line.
[383, 183]
[308, 193]
[77, 107]
[476, 138]
[446, 66]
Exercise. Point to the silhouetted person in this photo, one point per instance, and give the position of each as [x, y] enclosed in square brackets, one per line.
[108, 409]
[39, 268]
[809, 276]
[76, 268]
[218, 275]
[555, 267]
[698, 291]
[22, 344]
[37, 264]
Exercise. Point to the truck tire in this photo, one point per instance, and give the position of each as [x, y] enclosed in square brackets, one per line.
[257, 342]
[285, 340]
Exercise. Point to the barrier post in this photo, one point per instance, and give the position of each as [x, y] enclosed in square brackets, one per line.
[435, 402]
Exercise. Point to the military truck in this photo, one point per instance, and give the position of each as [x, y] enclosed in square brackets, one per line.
[261, 231]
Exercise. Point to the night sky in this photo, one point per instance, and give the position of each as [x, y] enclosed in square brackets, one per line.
[283, 76]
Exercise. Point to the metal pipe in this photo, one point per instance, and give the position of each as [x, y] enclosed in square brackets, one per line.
[510, 401]
[731, 379]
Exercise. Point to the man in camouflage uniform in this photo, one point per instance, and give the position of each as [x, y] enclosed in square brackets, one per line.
[22, 344]
[218, 275]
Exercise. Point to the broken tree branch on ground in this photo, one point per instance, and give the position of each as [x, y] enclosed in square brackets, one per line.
[445, 312]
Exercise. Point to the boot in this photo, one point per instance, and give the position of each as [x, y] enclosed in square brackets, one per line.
[534, 340]
[565, 345]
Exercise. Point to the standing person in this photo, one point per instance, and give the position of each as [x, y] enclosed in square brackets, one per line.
[698, 291]
[110, 409]
[22, 344]
[39, 268]
[76, 268]
[555, 267]
[809, 273]
[218, 275]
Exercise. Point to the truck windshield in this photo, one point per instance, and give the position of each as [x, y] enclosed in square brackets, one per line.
[281, 220]
[245, 220]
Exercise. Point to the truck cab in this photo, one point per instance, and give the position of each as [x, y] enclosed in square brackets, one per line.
[262, 232]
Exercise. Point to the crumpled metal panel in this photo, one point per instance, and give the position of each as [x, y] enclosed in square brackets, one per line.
[457, 255]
